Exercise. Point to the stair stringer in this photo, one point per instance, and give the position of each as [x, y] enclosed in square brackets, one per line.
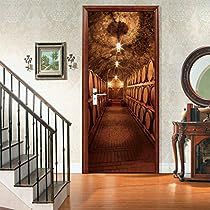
[10, 200]
[25, 194]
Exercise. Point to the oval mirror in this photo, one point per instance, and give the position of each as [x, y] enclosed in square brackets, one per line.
[200, 77]
[196, 76]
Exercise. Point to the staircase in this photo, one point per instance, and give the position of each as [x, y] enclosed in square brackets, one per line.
[34, 162]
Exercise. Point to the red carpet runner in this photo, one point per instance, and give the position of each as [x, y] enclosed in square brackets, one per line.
[120, 145]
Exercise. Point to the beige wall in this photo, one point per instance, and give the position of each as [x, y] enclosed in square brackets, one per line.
[184, 26]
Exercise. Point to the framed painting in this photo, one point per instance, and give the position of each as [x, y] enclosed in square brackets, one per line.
[50, 61]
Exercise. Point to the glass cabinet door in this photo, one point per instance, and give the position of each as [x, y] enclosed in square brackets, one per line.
[202, 157]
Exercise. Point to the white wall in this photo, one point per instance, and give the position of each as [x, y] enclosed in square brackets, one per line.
[184, 26]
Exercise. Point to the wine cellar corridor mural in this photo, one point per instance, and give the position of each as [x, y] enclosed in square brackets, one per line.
[122, 102]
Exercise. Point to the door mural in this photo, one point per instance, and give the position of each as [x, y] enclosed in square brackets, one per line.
[120, 69]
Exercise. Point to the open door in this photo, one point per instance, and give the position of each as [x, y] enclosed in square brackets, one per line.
[120, 89]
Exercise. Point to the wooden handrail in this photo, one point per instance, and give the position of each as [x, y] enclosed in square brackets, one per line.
[27, 108]
[35, 93]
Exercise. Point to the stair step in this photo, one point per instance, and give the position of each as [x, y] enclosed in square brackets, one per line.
[58, 186]
[14, 162]
[5, 145]
[33, 176]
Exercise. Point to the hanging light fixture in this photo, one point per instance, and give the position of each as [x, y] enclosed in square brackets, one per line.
[115, 77]
[118, 46]
[117, 63]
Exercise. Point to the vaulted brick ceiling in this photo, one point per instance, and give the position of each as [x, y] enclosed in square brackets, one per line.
[134, 30]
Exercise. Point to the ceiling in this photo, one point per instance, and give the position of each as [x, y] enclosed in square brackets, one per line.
[136, 33]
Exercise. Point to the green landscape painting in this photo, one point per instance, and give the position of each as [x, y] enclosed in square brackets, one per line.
[50, 60]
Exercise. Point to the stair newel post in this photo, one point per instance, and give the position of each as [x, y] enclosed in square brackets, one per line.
[56, 150]
[46, 183]
[37, 161]
[40, 138]
[51, 163]
[18, 135]
[27, 145]
[68, 152]
[10, 131]
[3, 99]
[63, 130]
[1, 127]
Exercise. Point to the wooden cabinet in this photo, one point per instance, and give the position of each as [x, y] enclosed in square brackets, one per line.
[198, 133]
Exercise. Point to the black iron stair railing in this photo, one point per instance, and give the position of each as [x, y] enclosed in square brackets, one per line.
[45, 111]
[35, 133]
[33, 151]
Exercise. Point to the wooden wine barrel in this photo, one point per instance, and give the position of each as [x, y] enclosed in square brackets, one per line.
[91, 81]
[95, 114]
[137, 110]
[98, 84]
[139, 77]
[140, 94]
[132, 92]
[152, 96]
[95, 81]
[129, 80]
[135, 77]
[148, 119]
[150, 71]
[129, 103]
[137, 93]
[142, 114]
[145, 95]
[134, 107]
[144, 74]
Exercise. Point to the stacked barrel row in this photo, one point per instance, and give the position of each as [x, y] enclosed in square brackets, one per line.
[140, 97]
[94, 112]
[146, 74]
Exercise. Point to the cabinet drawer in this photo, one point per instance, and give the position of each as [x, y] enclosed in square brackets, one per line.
[195, 129]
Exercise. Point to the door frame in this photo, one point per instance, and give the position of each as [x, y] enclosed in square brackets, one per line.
[94, 8]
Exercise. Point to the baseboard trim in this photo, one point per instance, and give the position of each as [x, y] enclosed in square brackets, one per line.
[166, 167]
[76, 168]
[163, 168]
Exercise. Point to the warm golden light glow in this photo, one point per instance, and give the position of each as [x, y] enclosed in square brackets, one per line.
[117, 63]
[121, 84]
[115, 76]
[109, 84]
[118, 46]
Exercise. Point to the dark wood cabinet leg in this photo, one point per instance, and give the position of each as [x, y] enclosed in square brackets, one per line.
[181, 141]
[174, 143]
